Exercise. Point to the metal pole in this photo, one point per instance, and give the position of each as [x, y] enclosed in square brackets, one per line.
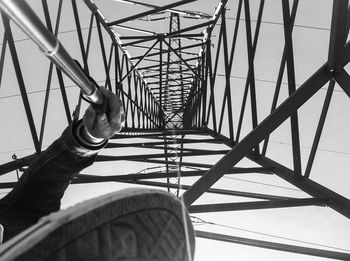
[21, 13]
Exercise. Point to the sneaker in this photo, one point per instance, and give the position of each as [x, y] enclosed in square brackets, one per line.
[128, 225]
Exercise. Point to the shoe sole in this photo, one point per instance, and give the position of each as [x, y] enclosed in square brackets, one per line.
[128, 225]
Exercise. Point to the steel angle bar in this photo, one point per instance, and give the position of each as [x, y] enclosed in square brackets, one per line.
[21, 84]
[2, 56]
[251, 47]
[175, 62]
[168, 51]
[250, 80]
[238, 206]
[142, 144]
[211, 105]
[155, 10]
[227, 95]
[139, 61]
[281, 71]
[89, 38]
[205, 75]
[287, 21]
[180, 57]
[80, 35]
[110, 57]
[85, 178]
[135, 29]
[153, 37]
[319, 128]
[189, 36]
[138, 107]
[16, 164]
[186, 13]
[336, 201]
[103, 52]
[187, 164]
[171, 148]
[48, 85]
[212, 190]
[338, 34]
[156, 155]
[191, 28]
[59, 73]
[274, 246]
[343, 79]
[161, 40]
[235, 34]
[137, 42]
[240, 150]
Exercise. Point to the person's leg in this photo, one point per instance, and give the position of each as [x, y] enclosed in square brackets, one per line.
[41, 187]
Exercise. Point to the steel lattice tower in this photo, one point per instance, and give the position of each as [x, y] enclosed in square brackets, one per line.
[183, 101]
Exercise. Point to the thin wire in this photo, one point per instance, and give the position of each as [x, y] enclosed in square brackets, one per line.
[261, 183]
[277, 23]
[274, 236]
[51, 89]
[308, 147]
[63, 32]
[270, 81]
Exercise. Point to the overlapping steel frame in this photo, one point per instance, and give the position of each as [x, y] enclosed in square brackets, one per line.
[151, 101]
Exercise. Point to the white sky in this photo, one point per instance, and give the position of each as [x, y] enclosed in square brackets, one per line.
[318, 225]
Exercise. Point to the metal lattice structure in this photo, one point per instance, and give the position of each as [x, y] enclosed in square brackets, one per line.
[180, 100]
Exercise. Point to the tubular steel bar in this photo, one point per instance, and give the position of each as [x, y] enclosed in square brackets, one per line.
[22, 14]
[274, 246]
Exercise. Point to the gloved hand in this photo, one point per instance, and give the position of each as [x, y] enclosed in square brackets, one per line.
[99, 125]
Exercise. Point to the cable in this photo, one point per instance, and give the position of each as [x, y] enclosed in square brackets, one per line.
[51, 89]
[308, 147]
[270, 81]
[277, 23]
[260, 183]
[63, 32]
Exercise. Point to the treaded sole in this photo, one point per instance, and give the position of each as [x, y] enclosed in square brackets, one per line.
[128, 225]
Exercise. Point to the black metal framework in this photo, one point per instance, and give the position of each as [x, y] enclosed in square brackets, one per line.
[174, 101]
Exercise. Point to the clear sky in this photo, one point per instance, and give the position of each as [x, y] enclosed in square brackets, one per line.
[318, 227]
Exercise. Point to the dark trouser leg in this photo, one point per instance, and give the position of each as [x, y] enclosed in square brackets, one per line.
[40, 188]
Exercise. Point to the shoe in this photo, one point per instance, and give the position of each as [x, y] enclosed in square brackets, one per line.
[128, 225]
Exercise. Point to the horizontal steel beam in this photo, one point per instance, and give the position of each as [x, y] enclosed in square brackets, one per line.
[155, 10]
[100, 158]
[274, 246]
[257, 205]
[336, 201]
[212, 190]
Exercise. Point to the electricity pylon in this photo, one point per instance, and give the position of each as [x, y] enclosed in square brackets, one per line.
[180, 99]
